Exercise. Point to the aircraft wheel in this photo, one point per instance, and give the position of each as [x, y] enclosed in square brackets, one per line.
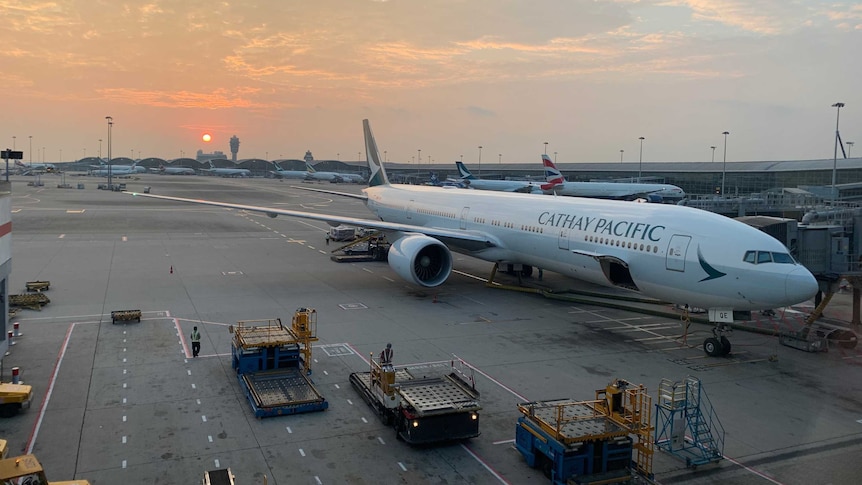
[725, 345]
[526, 271]
[712, 347]
[547, 466]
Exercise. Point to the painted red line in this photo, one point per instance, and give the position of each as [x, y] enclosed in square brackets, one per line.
[5, 228]
[752, 470]
[38, 424]
[358, 353]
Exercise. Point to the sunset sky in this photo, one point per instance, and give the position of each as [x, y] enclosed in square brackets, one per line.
[444, 76]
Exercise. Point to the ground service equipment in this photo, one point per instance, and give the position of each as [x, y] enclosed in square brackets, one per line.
[589, 442]
[125, 316]
[222, 476]
[273, 363]
[425, 403]
[38, 285]
[27, 470]
[13, 398]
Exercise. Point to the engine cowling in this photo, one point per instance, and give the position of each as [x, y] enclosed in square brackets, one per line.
[421, 259]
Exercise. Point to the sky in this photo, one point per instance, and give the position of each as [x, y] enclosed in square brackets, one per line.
[441, 76]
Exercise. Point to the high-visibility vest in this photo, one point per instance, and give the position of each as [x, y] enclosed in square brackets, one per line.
[196, 336]
[386, 355]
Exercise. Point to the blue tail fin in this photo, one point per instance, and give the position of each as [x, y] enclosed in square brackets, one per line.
[377, 172]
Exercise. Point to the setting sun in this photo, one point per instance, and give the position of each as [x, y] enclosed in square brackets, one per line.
[206, 137]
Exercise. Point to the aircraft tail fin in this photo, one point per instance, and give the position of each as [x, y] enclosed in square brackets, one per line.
[552, 174]
[309, 168]
[462, 170]
[377, 174]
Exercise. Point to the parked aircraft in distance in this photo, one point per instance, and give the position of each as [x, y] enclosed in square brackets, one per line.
[354, 178]
[162, 170]
[115, 170]
[289, 174]
[611, 190]
[227, 172]
[669, 252]
[35, 167]
[523, 186]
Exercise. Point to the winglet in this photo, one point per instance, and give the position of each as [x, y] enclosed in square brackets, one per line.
[552, 174]
[462, 169]
[377, 172]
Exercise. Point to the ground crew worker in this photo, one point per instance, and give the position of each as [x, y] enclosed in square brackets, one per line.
[196, 342]
[386, 355]
[327, 239]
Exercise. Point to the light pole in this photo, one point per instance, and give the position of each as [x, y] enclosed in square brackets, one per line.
[100, 150]
[546, 147]
[835, 156]
[385, 159]
[13, 142]
[621, 155]
[500, 158]
[338, 155]
[480, 161]
[849, 146]
[640, 158]
[418, 162]
[110, 126]
[724, 163]
[462, 158]
[555, 157]
[31, 152]
[713, 153]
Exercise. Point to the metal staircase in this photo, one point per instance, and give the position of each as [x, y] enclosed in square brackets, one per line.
[686, 423]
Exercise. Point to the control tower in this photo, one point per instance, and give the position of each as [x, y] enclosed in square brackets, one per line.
[234, 148]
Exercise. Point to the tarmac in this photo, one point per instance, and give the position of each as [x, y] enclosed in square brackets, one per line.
[127, 402]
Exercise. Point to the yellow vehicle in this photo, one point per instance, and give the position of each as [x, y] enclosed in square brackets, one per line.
[14, 397]
[26, 470]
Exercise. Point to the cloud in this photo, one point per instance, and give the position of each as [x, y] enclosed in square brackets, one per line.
[218, 99]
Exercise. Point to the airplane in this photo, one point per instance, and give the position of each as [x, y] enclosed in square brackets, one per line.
[35, 167]
[611, 190]
[104, 170]
[289, 174]
[162, 170]
[334, 177]
[668, 252]
[133, 168]
[523, 186]
[227, 172]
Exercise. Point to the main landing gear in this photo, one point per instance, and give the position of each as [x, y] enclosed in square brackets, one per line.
[718, 345]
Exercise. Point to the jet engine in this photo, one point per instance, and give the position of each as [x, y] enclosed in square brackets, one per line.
[421, 259]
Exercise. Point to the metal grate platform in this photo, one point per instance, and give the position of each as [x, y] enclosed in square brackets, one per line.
[286, 386]
[576, 420]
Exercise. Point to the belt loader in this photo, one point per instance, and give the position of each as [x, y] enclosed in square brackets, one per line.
[425, 403]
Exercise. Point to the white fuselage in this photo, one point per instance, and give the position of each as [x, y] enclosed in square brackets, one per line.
[502, 185]
[663, 246]
[335, 176]
[612, 190]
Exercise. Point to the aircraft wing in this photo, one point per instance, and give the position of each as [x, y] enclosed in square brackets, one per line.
[473, 240]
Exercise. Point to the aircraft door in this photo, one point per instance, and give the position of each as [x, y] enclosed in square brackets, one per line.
[563, 239]
[409, 210]
[465, 212]
[676, 251]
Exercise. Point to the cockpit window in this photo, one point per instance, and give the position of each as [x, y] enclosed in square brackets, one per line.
[783, 258]
[760, 257]
[764, 257]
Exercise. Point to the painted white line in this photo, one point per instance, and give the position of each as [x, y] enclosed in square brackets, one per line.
[124, 349]
[124, 440]
[301, 452]
[194, 386]
[124, 340]
[124, 419]
[62, 236]
[404, 468]
[321, 252]
[364, 420]
[380, 439]
[503, 442]
[189, 371]
[337, 386]
[124, 463]
[367, 270]
[203, 418]
[125, 371]
[124, 360]
[289, 431]
[124, 332]
[325, 373]
[124, 400]
[210, 438]
[859, 421]
[315, 361]
[485, 465]
[199, 402]
[217, 464]
[317, 479]
[350, 402]
[388, 279]
[312, 247]
[125, 385]
[495, 381]
[125, 239]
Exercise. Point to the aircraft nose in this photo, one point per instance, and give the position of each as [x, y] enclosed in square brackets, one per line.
[800, 285]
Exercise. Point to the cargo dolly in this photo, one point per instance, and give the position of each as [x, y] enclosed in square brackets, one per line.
[273, 364]
[125, 316]
[425, 403]
[38, 285]
[33, 301]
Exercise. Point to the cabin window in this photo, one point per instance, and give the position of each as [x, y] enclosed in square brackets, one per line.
[750, 257]
[764, 257]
